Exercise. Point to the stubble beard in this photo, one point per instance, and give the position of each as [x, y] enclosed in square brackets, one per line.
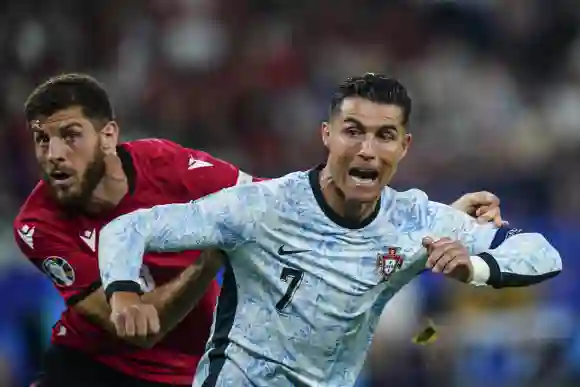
[78, 201]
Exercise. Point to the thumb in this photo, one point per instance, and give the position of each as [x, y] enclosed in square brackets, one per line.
[481, 210]
[427, 241]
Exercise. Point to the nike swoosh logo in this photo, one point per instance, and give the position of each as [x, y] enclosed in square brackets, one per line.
[281, 251]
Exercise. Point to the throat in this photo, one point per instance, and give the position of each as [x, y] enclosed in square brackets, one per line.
[355, 210]
[350, 209]
[106, 199]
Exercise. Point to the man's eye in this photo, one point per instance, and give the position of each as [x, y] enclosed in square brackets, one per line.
[387, 135]
[352, 131]
[71, 136]
[41, 139]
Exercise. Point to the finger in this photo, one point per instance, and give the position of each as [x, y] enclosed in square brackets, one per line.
[430, 243]
[427, 242]
[441, 263]
[487, 198]
[497, 220]
[449, 253]
[481, 198]
[436, 253]
[118, 319]
[458, 259]
[439, 243]
[460, 270]
[154, 324]
[481, 210]
[488, 215]
[453, 265]
[141, 323]
[493, 215]
[130, 323]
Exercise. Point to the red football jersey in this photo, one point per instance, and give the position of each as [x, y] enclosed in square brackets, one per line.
[64, 248]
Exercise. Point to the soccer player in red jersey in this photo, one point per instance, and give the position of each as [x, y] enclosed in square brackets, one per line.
[88, 180]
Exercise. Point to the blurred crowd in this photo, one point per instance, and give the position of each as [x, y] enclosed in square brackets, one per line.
[496, 91]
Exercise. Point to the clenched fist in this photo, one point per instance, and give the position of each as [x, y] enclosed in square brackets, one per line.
[450, 258]
[131, 316]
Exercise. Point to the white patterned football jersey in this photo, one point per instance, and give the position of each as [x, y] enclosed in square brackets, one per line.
[303, 288]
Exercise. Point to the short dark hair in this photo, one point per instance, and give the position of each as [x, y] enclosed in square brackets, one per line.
[68, 90]
[376, 88]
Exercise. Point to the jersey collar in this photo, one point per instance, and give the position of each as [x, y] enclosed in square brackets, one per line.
[128, 168]
[314, 178]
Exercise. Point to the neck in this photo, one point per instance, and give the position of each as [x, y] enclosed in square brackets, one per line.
[109, 191]
[343, 206]
[104, 199]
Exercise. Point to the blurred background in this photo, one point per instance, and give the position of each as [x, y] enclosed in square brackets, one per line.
[496, 89]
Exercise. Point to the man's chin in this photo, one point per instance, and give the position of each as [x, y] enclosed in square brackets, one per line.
[67, 197]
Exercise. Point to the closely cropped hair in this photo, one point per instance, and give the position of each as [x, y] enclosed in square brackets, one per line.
[376, 88]
[68, 90]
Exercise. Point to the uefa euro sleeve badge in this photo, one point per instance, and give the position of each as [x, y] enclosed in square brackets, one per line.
[389, 263]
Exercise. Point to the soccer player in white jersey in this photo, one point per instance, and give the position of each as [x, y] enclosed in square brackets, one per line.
[314, 256]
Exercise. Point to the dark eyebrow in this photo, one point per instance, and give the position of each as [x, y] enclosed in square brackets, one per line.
[69, 126]
[361, 125]
[350, 120]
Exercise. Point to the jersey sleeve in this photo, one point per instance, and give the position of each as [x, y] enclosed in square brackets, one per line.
[74, 273]
[225, 220]
[513, 257]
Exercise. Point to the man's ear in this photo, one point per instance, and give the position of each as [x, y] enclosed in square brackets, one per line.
[109, 135]
[325, 133]
[407, 140]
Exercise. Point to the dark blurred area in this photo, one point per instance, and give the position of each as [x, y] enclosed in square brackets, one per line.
[496, 89]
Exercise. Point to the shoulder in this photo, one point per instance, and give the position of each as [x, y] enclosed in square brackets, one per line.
[258, 196]
[165, 152]
[411, 199]
[293, 181]
[195, 172]
[405, 208]
[38, 207]
[39, 222]
[293, 185]
[153, 151]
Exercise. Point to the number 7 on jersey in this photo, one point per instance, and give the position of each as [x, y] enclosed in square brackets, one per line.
[293, 277]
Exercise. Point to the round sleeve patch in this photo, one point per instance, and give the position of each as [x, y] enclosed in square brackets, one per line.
[59, 270]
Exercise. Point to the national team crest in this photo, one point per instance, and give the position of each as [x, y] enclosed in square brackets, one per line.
[390, 262]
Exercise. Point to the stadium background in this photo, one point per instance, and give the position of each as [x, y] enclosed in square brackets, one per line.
[496, 86]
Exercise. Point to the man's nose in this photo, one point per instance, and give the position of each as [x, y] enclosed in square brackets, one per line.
[56, 150]
[367, 149]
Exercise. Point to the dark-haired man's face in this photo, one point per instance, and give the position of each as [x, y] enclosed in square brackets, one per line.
[366, 141]
[69, 150]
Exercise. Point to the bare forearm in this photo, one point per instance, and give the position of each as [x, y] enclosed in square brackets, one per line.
[177, 298]
[173, 300]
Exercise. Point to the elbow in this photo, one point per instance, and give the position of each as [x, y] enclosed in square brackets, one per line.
[552, 257]
[542, 264]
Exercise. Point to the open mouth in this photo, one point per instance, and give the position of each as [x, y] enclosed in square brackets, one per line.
[60, 177]
[364, 176]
